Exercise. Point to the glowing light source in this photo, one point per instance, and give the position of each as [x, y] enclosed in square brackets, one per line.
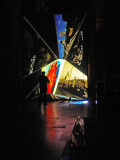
[66, 80]
[79, 102]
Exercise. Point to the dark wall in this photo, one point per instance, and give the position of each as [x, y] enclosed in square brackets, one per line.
[29, 83]
[11, 51]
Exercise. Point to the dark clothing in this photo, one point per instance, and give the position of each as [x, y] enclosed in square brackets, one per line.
[43, 80]
[43, 83]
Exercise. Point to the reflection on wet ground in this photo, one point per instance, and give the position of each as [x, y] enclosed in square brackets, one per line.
[59, 120]
[43, 132]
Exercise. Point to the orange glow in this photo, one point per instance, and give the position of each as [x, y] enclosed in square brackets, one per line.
[52, 77]
[71, 31]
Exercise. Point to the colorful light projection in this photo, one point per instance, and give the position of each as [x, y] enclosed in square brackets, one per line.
[61, 33]
[52, 72]
[66, 80]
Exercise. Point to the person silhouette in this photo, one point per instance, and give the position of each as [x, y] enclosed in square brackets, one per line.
[43, 80]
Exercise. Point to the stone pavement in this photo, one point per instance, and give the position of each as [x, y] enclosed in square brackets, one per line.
[35, 131]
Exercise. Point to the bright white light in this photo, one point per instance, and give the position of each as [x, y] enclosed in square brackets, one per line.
[85, 102]
[95, 101]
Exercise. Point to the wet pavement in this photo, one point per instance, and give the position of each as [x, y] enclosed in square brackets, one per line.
[39, 132]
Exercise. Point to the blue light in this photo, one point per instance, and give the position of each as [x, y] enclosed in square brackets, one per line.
[65, 97]
[95, 101]
[79, 102]
[61, 33]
